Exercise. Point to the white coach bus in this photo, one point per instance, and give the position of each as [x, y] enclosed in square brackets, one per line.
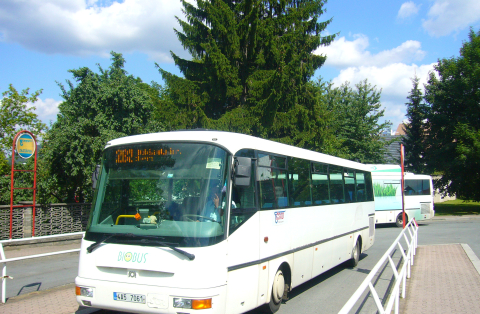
[216, 222]
[418, 197]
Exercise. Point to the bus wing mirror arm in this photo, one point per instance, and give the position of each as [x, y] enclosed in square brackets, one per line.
[242, 171]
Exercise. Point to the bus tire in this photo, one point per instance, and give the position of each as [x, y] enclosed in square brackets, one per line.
[399, 220]
[353, 262]
[278, 289]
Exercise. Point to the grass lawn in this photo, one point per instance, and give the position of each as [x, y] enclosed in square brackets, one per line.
[457, 207]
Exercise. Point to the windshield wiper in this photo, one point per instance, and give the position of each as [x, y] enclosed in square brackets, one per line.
[170, 245]
[93, 246]
[144, 239]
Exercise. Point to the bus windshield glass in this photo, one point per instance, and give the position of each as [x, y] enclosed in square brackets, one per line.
[173, 191]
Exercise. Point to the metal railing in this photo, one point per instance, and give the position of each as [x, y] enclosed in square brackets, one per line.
[4, 260]
[401, 274]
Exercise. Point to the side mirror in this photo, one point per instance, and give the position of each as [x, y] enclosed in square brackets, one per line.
[242, 171]
[95, 176]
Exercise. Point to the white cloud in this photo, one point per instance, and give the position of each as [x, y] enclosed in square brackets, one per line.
[46, 110]
[343, 53]
[447, 16]
[390, 70]
[85, 27]
[395, 80]
[407, 9]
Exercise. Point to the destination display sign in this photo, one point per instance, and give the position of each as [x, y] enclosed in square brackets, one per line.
[136, 155]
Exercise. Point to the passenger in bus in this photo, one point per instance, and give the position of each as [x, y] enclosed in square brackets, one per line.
[282, 201]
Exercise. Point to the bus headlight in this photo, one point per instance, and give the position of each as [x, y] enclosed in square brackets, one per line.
[84, 292]
[192, 304]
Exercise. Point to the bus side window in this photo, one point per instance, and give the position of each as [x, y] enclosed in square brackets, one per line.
[299, 182]
[336, 184]
[349, 181]
[272, 185]
[360, 181]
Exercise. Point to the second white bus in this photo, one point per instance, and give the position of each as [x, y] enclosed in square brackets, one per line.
[218, 222]
[418, 197]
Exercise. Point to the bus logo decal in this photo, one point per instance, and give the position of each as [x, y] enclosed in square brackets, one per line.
[135, 257]
[279, 217]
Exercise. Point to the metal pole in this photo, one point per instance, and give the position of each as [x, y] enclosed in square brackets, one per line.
[402, 153]
[34, 185]
[12, 182]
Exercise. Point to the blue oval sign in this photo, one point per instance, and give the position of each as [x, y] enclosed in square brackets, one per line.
[25, 146]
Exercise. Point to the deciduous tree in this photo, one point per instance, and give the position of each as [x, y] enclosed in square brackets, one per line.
[357, 121]
[453, 95]
[15, 115]
[100, 107]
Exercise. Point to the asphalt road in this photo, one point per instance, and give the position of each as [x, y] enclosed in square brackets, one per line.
[41, 273]
[326, 293]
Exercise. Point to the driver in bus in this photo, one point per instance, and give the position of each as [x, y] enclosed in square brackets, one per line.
[212, 207]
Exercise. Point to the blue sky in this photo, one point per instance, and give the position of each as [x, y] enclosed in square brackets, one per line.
[385, 42]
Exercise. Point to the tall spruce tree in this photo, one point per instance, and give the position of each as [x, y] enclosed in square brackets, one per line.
[251, 63]
[414, 139]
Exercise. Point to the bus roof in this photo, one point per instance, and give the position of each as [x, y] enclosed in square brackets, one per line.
[233, 142]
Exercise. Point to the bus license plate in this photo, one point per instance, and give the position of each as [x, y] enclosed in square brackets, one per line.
[128, 297]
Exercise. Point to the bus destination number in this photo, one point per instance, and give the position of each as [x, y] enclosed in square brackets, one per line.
[128, 297]
[130, 155]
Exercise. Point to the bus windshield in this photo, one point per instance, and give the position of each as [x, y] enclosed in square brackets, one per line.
[174, 191]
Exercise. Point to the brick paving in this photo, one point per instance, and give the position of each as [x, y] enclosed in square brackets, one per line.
[443, 280]
[59, 300]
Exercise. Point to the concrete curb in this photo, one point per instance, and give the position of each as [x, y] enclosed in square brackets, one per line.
[471, 255]
[42, 241]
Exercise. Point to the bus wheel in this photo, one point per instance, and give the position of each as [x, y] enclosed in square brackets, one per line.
[355, 255]
[278, 289]
[399, 220]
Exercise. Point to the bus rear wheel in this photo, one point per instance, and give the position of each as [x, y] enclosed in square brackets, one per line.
[278, 289]
[399, 220]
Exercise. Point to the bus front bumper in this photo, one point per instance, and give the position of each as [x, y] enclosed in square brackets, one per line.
[136, 298]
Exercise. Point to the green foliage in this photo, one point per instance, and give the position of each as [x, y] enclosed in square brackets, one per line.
[101, 107]
[414, 139]
[21, 180]
[145, 190]
[384, 190]
[453, 141]
[250, 72]
[15, 116]
[356, 122]
[5, 166]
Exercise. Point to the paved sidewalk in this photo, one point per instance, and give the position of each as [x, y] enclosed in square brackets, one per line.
[59, 300]
[444, 279]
